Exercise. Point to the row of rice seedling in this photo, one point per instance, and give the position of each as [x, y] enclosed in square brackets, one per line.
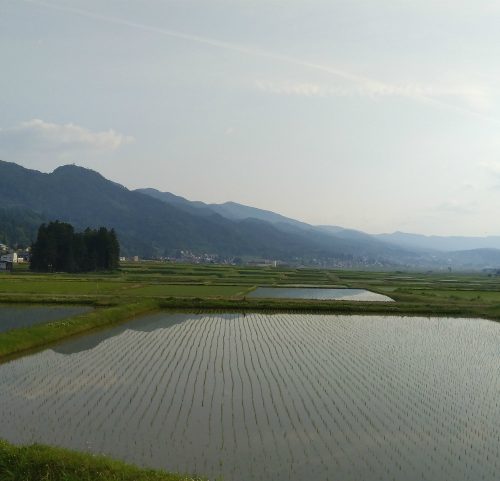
[282, 397]
[423, 391]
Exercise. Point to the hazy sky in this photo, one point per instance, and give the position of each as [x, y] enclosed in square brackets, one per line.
[371, 114]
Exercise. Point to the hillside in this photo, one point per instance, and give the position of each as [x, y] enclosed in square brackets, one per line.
[18, 226]
[365, 248]
[398, 249]
[146, 226]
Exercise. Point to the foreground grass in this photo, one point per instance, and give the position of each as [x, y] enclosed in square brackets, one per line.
[18, 340]
[44, 463]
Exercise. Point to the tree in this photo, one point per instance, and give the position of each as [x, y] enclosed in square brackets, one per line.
[59, 248]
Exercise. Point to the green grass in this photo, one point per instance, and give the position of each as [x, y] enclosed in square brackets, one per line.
[52, 286]
[164, 290]
[146, 273]
[470, 295]
[156, 279]
[114, 288]
[44, 463]
[406, 308]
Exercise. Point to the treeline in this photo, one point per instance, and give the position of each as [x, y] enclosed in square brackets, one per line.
[59, 248]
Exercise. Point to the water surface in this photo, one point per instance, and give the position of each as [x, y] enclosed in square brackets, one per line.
[14, 317]
[318, 294]
[281, 397]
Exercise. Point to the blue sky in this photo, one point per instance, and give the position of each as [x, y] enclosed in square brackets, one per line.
[379, 116]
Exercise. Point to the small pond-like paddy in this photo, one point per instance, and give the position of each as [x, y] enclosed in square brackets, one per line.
[318, 293]
[15, 317]
[281, 397]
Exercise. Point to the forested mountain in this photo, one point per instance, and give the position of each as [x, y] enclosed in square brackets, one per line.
[150, 223]
[398, 248]
[145, 226]
[229, 210]
[348, 242]
[149, 227]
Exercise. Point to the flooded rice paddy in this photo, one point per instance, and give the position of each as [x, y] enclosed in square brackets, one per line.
[15, 317]
[281, 397]
[318, 294]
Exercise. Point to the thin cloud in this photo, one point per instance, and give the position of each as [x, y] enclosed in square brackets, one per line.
[299, 89]
[42, 137]
[365, 85]
[472, 96]
[492, 167]
[455, 207]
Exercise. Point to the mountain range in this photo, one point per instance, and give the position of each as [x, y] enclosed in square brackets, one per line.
[154, 224]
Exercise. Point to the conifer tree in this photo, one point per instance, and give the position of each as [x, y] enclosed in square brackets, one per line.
[59, 248]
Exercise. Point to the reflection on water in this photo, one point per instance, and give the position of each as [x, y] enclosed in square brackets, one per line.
[282, 397]
[318, 294]
[14, 317]
[147, 323]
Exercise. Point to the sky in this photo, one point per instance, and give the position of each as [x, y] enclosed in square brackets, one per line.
[374, 115]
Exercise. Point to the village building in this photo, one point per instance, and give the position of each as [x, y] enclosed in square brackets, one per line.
[6, 266]
[12, 258]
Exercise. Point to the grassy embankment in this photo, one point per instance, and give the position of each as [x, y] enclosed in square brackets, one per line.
[400, 308]
[18, 340]
[44, 463]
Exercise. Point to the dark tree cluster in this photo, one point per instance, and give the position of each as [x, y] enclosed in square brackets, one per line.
[59, 248]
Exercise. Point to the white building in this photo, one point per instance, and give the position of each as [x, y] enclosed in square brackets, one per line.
[9, 258]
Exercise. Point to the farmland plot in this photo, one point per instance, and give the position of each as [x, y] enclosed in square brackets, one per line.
[318, 294]
[271, 397]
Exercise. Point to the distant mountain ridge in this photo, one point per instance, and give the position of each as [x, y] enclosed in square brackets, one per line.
[428, 251]
[441, 243]
[229, 210]
[233, 210]
[365, 246]
[152, 224]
